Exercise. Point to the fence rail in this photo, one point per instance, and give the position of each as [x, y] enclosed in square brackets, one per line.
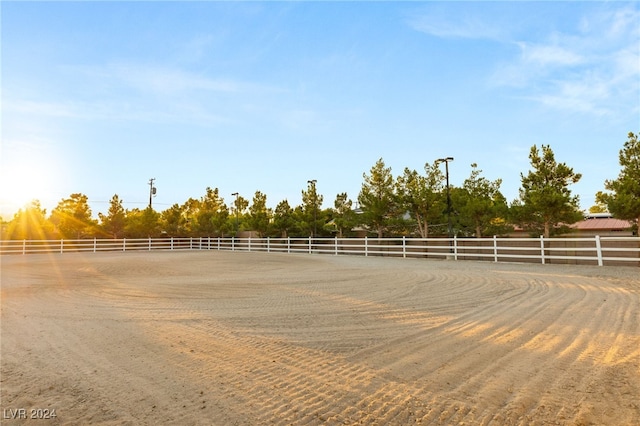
[593, 250]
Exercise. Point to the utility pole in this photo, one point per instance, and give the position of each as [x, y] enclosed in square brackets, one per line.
[152, 191]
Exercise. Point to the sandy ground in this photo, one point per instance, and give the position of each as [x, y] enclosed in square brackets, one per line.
[226, 338]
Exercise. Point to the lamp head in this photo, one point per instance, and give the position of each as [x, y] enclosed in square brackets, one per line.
[444, 160]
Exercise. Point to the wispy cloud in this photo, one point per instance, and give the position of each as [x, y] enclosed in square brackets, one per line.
[593, 69]
[41, 108]
[548, 55]
[588, 64]
[162, 80]
[466, 27]
[140, 92]
[118, 110]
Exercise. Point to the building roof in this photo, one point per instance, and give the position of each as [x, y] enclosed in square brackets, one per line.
[605, 223]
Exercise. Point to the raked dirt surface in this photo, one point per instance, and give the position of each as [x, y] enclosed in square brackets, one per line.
[233, 338]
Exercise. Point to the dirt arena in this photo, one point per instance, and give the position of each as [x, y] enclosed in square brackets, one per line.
[225, 338]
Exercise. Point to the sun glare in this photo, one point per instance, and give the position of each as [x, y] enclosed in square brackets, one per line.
[23, 181]
[20, 187]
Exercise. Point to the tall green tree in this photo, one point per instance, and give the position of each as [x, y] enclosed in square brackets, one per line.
[211, 214]
[283, 220]
[377, 198]
[421, 196]
[344, 217]
[623, 196]
[29, 223]
[113, 223]
[259, 214]
[173, 222]
[311, 202]
[238, 209]
[484, 203]
[545, 198]
[72, 217]
[142, 223]
[189, 212]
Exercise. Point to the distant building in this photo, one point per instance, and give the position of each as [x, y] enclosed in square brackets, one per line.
[602, 224]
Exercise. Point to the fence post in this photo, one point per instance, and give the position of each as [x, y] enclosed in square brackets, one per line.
[599, 250]
[336, 246]
[124, 244]
[366, 248]
[249, 242]
[495, 249]
[455, 247]
[542, 248]
[404, 246]
[171, 243]
[149, 243]
[61, 246]
[309, 244]
[288, 244]
[268, 245]
[24, 246]
[233, 243]
[95, 241]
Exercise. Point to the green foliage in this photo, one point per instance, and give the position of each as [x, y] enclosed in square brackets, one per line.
[312, 220]
[211, 215]
[113, 223]
[545, 199]
[377, 198]
[142, 223]
[623, 196]
[344, 218]
[598, 207]
[72, 217]
[421, 196]
[29, 223]
[240, 204]
[173, 222]
[259, 214]
[283, 221]
[482, 205]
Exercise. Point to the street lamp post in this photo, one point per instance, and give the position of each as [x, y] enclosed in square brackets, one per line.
[235, 194]
[315, 206]
[446, 164]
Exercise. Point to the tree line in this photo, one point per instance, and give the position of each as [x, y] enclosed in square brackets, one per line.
[414, 203]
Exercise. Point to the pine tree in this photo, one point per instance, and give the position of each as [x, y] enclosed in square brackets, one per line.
[421, 196]
[259, 214]
[72, 217]
[483, 202]
[623, 200]
[344, 217]
[545, 199]
[378, 199]
[113, 222]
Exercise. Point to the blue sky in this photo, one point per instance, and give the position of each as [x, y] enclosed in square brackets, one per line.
[99, 97]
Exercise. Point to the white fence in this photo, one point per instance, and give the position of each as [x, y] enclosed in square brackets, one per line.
[593, 250]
